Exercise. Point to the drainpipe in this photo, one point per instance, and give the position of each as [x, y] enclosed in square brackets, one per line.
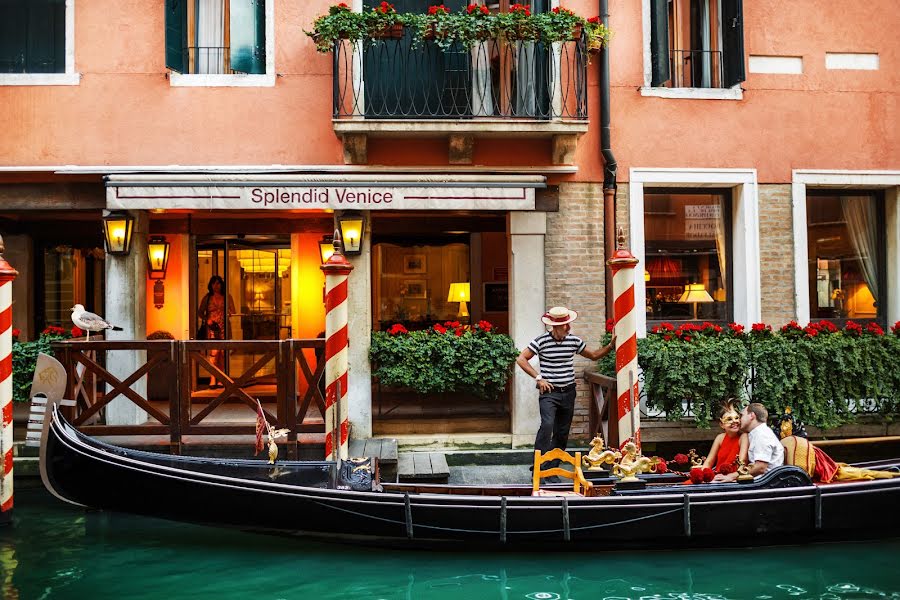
[609, 164]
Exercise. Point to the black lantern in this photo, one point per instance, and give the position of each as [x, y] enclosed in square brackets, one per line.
[117, 230]
[158, 257]
[352, 227]
[326, 248]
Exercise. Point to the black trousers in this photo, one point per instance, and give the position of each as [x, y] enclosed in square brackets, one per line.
[557, 408]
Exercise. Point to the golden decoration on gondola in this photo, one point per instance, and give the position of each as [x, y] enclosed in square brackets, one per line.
[743, 470]
[599, 456]
[632, 463]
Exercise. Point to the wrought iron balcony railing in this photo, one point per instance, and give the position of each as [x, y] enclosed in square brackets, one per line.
[495, 79]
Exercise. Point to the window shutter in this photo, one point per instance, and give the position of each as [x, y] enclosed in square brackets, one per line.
[659, 41]
[13, 21]
[248, 36]
[733, 41]
[176, 34]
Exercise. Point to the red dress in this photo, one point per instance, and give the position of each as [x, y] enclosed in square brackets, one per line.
[728, 452]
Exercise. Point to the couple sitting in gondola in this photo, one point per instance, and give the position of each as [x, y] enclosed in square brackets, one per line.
[745, 438]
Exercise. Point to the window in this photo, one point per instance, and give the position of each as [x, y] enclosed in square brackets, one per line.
[846, 254]
[68, 275]
[36, 46]
[687, 268]
[696, 43]
[216, 37]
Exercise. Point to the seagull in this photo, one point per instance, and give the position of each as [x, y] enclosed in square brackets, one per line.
[89, 322]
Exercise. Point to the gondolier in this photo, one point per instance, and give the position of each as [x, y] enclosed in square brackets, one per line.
[556, 350]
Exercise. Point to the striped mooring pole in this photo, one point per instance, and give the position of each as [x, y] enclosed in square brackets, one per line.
[337, 271]
[622, 264]
[7, 274]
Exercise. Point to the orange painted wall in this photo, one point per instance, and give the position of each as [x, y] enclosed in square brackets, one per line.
[124, 112]
[173, 316]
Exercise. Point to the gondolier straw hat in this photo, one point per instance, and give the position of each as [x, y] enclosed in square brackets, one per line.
[558, 315]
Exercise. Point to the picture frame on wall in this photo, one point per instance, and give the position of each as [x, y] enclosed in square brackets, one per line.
[496, 296]
[414, 264]
[416, 288]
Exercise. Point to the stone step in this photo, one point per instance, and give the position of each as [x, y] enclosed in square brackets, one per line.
[423, 467]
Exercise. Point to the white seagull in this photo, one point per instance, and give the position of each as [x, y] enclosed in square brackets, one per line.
[89, 322]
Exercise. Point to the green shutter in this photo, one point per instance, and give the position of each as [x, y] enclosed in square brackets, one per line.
[659, 41]
[176, 34]
[733, 41]
[248, 36]
[13, 25]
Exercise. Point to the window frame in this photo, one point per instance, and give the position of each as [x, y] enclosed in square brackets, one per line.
[236, 79]
[845, 181]
[68, 77]
[746, 297]
[734, 92]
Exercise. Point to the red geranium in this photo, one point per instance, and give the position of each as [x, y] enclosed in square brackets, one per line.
[451, 324]
[853, 328]
[459, 331]
[895, 329]
[397, 329]
[440, 8]
[16, 333]
[478, 7]
[77, 332]
[520, 8]
[385, 8]
[760, 329]
[736, 328]
[611, 325]
[440, 328]
[485, 326]
[874, 329]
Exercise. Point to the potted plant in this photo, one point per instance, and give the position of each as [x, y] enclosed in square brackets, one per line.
[517, 24]
[384, 22]
[559, 25]
[340, 23]
[448, 357]
[596, 33]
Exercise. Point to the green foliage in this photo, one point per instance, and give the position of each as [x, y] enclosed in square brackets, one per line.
[825, 375]
[473, 360]
[24, 359]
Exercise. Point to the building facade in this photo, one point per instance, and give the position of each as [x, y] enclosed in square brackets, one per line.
[757, 149]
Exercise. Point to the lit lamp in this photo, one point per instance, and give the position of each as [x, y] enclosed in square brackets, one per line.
[351, 225]
[646, 275]
[459, 292]
[326, 248]
[693, 294]
[117, 229]
[158, 257]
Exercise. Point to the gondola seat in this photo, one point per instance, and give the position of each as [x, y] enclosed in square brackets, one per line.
[580, 486]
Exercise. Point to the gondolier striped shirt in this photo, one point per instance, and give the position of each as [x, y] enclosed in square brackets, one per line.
[557, 358]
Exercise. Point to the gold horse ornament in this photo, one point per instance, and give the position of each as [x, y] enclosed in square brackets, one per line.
[633, 463]
[599, 456]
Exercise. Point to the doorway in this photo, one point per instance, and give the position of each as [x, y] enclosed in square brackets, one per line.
[256, 270]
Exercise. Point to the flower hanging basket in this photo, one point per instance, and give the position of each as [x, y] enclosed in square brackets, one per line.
[394, 32]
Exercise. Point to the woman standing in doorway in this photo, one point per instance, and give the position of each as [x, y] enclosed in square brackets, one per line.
[212, 316]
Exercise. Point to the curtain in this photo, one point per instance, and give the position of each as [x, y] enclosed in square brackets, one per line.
[210, 53]
[482, 93]
[721, 248]
[706, 45]
[859, 213]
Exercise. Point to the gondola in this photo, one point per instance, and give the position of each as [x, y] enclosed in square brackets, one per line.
[306, 499]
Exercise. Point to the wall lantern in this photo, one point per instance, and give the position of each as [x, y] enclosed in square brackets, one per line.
[352, 225]
[326, 248]
[117, 230]
[158, 257]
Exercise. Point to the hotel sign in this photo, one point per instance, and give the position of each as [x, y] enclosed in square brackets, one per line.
[310, 196]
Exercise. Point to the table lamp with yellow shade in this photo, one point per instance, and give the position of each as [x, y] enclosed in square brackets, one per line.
[693, 294]
[459, 292]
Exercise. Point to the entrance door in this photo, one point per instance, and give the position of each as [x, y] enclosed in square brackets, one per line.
[257, 271]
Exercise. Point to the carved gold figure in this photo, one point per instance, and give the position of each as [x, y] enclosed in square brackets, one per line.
[599, 456]
[632, 463]
[274, 434]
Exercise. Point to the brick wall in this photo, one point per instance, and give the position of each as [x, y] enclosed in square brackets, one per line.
[776, 249]
[574, 267]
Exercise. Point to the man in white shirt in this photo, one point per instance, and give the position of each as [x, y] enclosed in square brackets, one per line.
[766, 451]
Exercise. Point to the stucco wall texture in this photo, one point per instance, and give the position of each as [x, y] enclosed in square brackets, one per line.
[125, 112]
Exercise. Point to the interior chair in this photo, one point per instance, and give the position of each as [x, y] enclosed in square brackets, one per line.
[580, 485]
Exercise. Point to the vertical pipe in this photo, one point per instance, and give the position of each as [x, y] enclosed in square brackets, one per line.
[337, 271]
[622, 265]
[7, 274]
[610, 166]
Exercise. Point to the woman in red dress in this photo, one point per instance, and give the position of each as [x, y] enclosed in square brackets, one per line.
[729, 445]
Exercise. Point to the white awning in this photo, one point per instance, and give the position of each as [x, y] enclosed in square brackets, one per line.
[383, 191]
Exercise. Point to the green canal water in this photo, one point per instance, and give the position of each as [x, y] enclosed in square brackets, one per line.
[55, 551]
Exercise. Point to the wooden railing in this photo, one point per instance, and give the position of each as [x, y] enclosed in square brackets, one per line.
[293, 385]
[602, 407]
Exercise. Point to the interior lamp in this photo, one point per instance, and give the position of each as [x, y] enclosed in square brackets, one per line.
[459, 292]
[646, 275]
[351, 225]
[117, 230]
[693, 294]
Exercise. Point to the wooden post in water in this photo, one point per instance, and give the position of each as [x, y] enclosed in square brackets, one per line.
[7, 274]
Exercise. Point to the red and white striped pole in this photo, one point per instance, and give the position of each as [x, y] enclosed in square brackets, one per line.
[7, 274]
[337, 270]
[622, 264]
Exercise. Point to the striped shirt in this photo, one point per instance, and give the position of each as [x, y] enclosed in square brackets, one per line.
[557, 358]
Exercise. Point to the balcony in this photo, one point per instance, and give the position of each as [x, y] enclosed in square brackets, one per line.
[498, 88]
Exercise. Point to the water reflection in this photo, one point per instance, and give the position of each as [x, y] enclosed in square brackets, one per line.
[55, 551]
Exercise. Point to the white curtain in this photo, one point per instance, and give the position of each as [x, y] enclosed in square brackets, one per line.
[482, 96]
[721, 249]
[859, 213]
[210, 54]
[705, 56]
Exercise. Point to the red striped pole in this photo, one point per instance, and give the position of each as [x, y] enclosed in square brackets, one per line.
[337, 270]
[7, 274]
[622, 264]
